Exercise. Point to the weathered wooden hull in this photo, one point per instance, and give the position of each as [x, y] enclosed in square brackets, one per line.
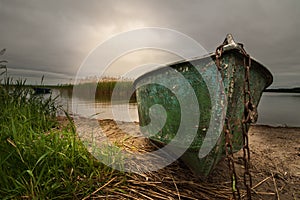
[203, 76]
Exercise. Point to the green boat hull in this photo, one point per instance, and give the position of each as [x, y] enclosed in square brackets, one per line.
[216, 99]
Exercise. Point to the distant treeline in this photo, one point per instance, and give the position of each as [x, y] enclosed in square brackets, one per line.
[284, 90]
[105, 88]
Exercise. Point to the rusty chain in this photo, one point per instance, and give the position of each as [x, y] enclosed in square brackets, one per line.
[227, 132]
[250, 115]
[230, 159]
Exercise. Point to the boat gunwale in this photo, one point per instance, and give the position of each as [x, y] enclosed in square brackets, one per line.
[260, 67]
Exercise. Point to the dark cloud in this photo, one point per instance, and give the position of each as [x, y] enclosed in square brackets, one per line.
[55, 36]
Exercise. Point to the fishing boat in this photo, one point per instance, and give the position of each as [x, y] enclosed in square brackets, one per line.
[188, 107]
[41, 90]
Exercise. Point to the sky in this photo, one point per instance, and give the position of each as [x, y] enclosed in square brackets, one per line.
[54, 38]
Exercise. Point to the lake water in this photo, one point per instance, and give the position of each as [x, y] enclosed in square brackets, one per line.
[279, 109]
[82, 107]
[276, 109]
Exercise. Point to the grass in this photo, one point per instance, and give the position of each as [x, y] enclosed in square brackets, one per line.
[38, 160]
[102, 90]
[105, 89]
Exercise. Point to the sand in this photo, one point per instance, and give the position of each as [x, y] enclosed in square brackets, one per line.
[275, 166]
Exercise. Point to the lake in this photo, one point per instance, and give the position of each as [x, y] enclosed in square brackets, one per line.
[276, 109]
[279, 109]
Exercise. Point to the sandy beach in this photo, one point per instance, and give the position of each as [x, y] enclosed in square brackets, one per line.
[275, 167]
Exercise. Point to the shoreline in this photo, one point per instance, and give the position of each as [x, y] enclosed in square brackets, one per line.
[275, 157]
[277, 126]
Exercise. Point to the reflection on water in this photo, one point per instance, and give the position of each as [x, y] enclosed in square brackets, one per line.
[97, 109]
[274, 108]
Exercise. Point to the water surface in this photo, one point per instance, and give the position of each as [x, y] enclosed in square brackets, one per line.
[98, 109]
[276, 109]
[279, 109]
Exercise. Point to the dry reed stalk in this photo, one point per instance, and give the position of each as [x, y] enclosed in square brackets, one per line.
[275, 186]
[178, 193]
[261, 182]
[103, 186]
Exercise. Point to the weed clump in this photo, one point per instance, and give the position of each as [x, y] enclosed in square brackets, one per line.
[38, 160]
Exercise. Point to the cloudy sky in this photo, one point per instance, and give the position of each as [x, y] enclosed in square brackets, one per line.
[54, 37]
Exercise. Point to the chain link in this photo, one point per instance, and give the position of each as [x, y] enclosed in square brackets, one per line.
[250, 115]
[230, 160]
[228, 134]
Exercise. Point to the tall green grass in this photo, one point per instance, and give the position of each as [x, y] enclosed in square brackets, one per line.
[37, 159]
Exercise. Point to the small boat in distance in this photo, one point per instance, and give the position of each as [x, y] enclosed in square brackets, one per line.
[188, 107]
[41, 90]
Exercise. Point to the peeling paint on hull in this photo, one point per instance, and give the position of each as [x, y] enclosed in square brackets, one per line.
[211, 94]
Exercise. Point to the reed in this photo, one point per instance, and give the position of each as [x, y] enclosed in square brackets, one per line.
[103, 90]
[39, 160]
